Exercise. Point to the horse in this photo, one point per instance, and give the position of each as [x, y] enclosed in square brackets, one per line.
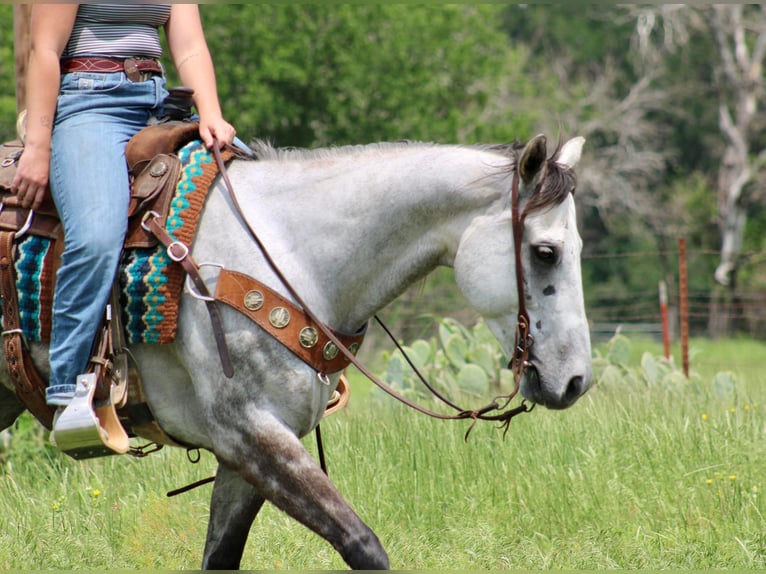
[351, 228]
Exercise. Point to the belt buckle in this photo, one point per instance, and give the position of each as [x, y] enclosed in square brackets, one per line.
[132, 71]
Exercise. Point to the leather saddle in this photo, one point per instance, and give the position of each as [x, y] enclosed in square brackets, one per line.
[154, 171]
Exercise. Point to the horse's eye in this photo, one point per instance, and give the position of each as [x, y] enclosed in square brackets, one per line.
[546, 253]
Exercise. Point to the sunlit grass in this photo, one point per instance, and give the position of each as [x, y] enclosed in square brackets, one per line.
[632, 477]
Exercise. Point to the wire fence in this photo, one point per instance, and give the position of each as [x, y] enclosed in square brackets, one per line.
[713, 310]
[610, 305]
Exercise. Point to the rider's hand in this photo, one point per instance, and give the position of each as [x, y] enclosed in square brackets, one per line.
[31, 180]
[217, 128]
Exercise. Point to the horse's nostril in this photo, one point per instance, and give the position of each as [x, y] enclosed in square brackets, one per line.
[575, 388]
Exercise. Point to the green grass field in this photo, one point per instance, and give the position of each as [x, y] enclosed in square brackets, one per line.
[632, 477]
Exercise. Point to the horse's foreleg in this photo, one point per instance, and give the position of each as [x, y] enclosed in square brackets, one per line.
[273, 460]
[233, 507]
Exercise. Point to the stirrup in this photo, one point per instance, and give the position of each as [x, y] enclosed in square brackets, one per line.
[82, 431]
[339, 397]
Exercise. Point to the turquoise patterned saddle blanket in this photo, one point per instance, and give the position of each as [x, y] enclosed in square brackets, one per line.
[150, 282]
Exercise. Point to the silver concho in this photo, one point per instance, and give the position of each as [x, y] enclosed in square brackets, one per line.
[158, 169]
[353, 347]
[330, 351]
[308, 337]
[253, 300]
[279, 317]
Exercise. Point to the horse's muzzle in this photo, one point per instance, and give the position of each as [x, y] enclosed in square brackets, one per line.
[547, 393]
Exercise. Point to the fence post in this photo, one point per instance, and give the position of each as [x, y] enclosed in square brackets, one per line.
[683, 281]
[664, 318]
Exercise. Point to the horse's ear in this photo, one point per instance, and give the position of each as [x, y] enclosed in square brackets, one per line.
[570, 152]
[532, 158]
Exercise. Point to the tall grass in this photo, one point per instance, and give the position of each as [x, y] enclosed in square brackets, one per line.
[633, 476]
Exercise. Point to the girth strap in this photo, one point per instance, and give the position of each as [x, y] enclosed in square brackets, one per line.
[30, 387]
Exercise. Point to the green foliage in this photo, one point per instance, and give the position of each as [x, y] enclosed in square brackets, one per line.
[463, 362]
[614, 367]
[329, 74]
[458, 362]
[580, 34]
[7, 75]
[313, 74]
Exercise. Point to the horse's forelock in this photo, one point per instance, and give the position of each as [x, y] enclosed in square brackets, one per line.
[558, 180]
[557, 183]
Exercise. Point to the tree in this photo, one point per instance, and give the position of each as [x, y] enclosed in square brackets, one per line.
[729, 84]
[740, 35]
[314, 74]
[7, 74]
[737, 47]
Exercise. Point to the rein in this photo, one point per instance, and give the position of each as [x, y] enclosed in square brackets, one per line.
[497, 410]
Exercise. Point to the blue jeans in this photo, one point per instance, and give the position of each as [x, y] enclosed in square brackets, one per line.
[96, 116]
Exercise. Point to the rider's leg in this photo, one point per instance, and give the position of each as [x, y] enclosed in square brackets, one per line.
[96, 116]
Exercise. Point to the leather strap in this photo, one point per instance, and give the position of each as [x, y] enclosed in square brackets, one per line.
[286, 322]
[30, 387]
[179, 253]
[523, 338]
[137, 415]
[131, 66]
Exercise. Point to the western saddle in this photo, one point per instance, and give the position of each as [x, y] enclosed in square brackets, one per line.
[94, 423]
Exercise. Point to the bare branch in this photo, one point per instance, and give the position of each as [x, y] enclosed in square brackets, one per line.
[724, 49]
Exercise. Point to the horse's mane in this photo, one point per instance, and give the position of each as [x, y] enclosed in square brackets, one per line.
[266, 151]
[559, 181]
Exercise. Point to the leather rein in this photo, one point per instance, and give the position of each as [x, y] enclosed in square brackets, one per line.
[497, 410]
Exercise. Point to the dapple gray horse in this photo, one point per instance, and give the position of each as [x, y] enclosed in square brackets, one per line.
[351, 228]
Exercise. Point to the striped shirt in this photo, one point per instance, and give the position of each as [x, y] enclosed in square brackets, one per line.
[117, 30]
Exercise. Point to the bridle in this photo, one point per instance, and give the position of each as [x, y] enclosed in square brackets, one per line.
[497, 410]
[523, 339]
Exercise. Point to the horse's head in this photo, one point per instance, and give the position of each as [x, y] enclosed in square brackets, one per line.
[559, 369]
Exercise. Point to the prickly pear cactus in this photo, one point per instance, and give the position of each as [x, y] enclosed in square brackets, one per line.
[458, 361]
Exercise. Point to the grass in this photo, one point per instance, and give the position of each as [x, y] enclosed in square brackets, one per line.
[632, 477]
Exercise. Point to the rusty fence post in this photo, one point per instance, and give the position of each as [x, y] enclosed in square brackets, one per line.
[683, 286]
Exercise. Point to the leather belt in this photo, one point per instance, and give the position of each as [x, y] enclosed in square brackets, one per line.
[136, 69]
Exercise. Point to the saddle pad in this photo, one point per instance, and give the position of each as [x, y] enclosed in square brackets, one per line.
[150, 283]
[34, 264]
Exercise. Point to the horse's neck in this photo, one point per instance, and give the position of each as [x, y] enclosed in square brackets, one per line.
[360, 229]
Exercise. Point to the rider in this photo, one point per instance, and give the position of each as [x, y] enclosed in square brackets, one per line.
[94, 80]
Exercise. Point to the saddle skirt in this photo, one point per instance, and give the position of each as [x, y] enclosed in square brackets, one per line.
[150, 282]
